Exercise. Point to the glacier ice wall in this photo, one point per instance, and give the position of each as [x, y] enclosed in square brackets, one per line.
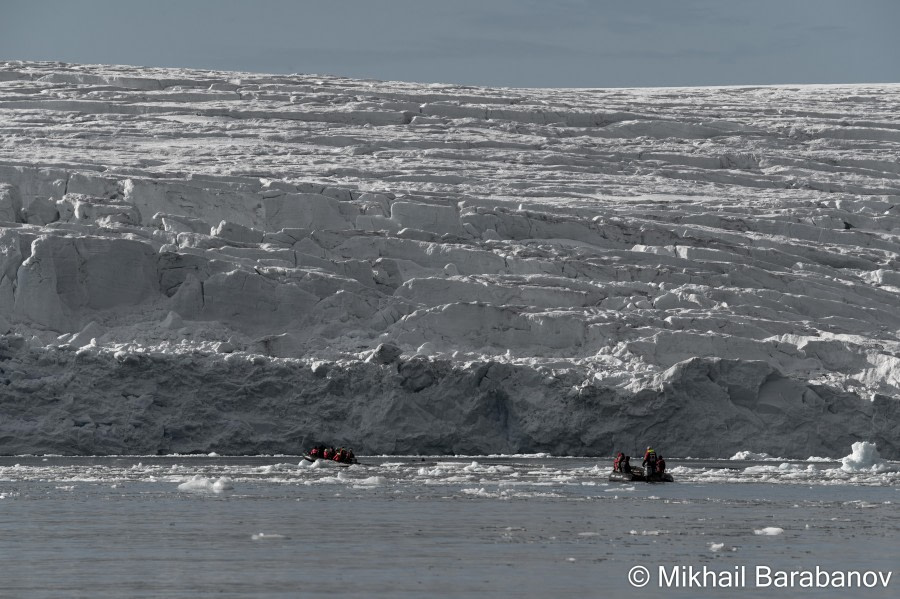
[208, 261]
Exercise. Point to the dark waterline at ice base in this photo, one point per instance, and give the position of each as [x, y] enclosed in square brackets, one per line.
[523, 526]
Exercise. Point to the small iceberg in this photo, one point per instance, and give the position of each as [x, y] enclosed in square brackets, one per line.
[769, 531]
[865, 458]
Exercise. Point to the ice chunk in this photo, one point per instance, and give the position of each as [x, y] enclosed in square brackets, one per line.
[769, 531]
[372, 481]
[865, 458]
[200, 484]
[89, 332]
[223, 484]
[749, 455]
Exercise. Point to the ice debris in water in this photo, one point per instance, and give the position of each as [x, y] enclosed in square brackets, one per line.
[865, 458]
[200, 484]
[769, 531]
[223, 484]
[372, 481]
[749, 455]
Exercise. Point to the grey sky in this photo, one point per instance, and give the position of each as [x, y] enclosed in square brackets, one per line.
[572, 43]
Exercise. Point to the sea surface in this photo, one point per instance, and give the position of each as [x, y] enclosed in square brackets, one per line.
[500, 526]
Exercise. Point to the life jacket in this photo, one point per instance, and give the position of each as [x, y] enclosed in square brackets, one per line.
[650, 460]
[661, 465]
[314, 451]
[326, 454]
[618, 461]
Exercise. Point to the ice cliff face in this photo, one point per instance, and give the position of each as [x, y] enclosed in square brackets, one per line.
[199, 261]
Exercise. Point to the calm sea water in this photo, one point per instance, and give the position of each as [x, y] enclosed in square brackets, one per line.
[516, 526]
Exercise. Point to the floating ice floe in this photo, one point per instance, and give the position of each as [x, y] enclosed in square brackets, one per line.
[273, 468]
[751, 456]
[200, 484]
[769, 531]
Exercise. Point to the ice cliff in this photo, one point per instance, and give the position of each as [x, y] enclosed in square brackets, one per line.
[232, 262]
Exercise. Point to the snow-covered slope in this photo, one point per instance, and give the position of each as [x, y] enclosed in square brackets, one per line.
[198, 261]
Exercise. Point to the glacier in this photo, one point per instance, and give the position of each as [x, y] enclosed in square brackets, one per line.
[199, 261]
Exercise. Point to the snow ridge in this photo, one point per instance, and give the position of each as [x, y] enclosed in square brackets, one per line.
[207, 261]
